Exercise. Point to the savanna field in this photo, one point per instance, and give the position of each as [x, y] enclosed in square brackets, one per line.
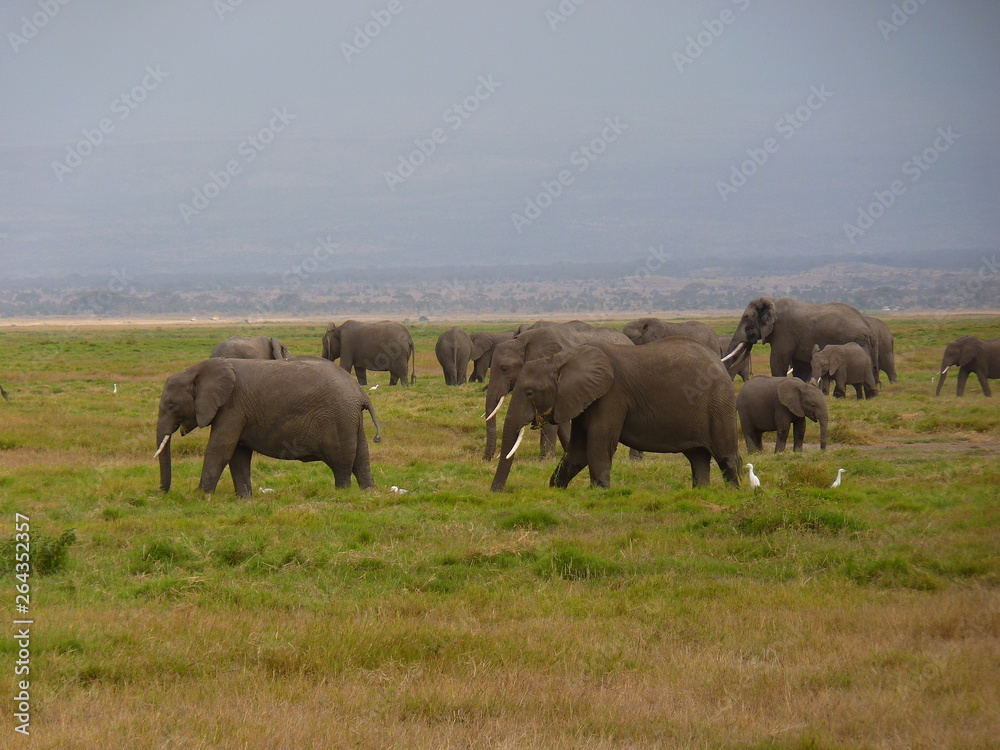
[650, 615]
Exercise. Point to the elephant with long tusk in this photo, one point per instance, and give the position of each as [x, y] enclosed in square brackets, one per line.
[669, 396]
[509, 357]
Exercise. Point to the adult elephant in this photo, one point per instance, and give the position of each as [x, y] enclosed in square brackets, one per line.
[301, 410]
[454, 352]
[886, 349]
[509, 357]
[793, 328]
[972, 355]
[250, 347]
[669, 396]
[645, 330]
[769, 404]
[742, 365]
[483, 344]
[384, 346]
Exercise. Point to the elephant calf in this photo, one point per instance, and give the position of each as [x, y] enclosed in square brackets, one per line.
[847, 364]
[769, 404]
[302, 410]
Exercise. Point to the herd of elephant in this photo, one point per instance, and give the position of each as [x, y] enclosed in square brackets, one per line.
[654, 386]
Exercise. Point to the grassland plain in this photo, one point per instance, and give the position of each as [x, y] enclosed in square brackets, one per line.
[650, 615]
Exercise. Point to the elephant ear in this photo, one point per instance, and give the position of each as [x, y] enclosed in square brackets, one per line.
[278, 349]
[481, 344]
[790, 396]
[213, 385]
[766, 317]
[971, 349]
[833, 361]
[327, 338]
[583, 375]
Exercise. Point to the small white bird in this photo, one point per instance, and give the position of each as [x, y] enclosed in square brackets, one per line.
[115, 389]
[397, 490]
[836, 482]
[265, 490]
[754, 479]
[373, 387]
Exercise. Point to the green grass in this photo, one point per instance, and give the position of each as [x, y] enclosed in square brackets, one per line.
[647, 615]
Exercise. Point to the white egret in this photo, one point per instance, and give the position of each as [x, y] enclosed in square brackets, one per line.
[754, 479]
[397, 490]
[836, 482]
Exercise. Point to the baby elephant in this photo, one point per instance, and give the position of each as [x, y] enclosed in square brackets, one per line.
[303, 410]
[847, 364]
[767, 404]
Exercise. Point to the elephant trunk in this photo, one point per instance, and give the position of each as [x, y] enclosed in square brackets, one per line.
[822, 419]
[494, 398]
[519, 415]
[944, 374]
[163, 453]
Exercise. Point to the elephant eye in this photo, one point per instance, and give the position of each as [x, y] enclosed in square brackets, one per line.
[529, 394]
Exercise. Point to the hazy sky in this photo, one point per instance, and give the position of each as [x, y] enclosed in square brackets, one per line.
[253, 134]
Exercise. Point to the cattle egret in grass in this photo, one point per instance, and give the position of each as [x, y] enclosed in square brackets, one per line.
[115, 389]
[397, 490]
[373, 387]
[836, 482]
[265, 490]
[754, 479]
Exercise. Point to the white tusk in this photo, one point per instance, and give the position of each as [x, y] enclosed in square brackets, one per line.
[734, 352]
[517, 443]
[163, 444]
[945, 369]
[494, 412]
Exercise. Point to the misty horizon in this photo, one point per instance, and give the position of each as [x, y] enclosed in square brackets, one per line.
[218, 137]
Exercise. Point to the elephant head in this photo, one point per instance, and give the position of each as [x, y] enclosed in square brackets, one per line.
[190, 400]
[756, 324]
[824, 362]
[552, 390]
[278, 349]
[804, 400]
[962, 352]
[331, 342]
[644, 330]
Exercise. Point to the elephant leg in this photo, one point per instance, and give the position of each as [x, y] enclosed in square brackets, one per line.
[801, 370]
[564, 432]
[547, 442]
[963, 376]
[701, 465]
[840, 385]
[634, 455]
[341, 472]
[730, 469]
[600, 453]
[362, 375]
[984, 381]
[239, 467]
[573, 461]
[362, 469]
[218, 454]
[798, 434]
[781, 436]
[752, 438]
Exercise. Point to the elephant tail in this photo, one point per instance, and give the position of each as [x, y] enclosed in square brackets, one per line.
[375, 421]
